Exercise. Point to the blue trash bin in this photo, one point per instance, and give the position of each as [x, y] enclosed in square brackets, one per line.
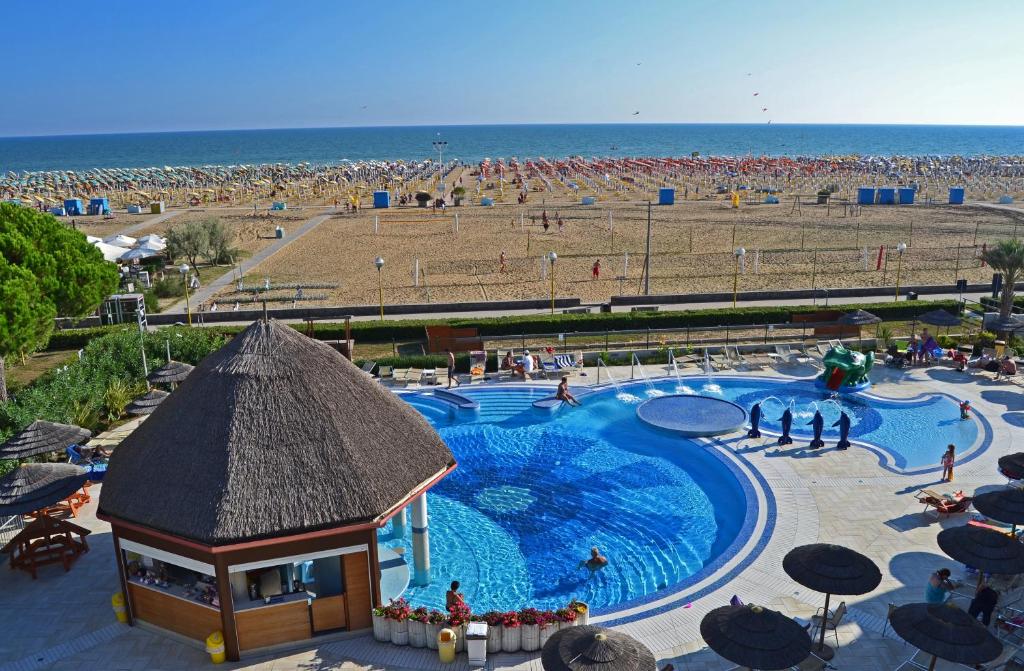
[887, 196]
[381, 199]
[906, 196]
[956, 195]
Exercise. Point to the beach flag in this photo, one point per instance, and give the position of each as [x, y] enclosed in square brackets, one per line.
[881, 254]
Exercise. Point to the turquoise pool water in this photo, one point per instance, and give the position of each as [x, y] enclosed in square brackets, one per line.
[534, 491]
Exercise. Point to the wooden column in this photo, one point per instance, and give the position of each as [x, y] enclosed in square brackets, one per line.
[227, 608]
[375, 576]
[122, 574]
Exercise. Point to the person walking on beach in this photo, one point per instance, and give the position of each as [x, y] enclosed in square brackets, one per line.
[595, 272]
[502, 262]
[451, 368]
[561, 224]
[947, 463]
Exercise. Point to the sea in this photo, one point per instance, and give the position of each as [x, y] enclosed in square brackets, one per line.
[473, 143]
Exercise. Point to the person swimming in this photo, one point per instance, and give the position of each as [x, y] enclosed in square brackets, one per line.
[596, 562]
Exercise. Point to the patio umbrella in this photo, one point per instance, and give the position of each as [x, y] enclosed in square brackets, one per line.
[590, 648]
[986, 550]
[754, 637]
[1002, 505]
[1012, 465]
[1007, 324]
[939, 318]
[41, 437]
[171, 372]
[859, 318]
[31, 487]
[943, 630]
[146, 403]
[832, 569]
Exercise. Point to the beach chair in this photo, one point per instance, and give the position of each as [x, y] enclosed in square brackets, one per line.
[429, 376]
[830, 620]
[548, 366]
[385, 372]
[733, 356]
[783, 354]
[477, 366]
[719, 360]
[400, 376]
[414, 376]
[569, 363]
[943, 504]
[822, 348]
[835, 343]
[368, 367]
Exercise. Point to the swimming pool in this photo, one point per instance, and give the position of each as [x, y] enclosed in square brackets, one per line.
[534, 491]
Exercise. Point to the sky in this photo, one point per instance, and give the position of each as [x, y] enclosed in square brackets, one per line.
[163, 65]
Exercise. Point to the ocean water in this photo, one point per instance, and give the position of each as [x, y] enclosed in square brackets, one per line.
[473, 143]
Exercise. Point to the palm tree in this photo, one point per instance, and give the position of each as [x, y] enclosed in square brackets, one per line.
[1007, 257]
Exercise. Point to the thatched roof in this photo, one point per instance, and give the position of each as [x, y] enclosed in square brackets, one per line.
[41, 437]
[146, 403]
[31, 487]
[274, 434]
[171, 372]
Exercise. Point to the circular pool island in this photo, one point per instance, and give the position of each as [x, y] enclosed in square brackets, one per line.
[692, 416]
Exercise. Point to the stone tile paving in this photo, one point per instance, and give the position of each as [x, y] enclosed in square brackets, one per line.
[63, 621]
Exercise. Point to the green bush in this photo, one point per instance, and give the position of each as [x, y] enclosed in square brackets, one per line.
[152, 302]
[169, 287]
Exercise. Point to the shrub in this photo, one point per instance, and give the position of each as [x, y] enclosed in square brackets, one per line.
[117, 395]
[169, 287]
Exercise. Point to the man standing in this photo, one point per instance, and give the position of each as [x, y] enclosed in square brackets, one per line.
[451, 368]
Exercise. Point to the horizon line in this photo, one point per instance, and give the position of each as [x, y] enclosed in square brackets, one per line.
[494, 125]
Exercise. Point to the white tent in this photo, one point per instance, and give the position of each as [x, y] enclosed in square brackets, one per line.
[111, 252]
[153, 238]
[120, 240]
[154, 245]
[92, 239]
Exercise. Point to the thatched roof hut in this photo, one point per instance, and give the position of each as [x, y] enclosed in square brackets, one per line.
[273, 435]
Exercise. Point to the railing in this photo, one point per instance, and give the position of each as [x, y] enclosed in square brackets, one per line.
[9, 528]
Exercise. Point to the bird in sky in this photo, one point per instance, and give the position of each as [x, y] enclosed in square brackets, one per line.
[636, 113]
[756, 94]
[764, 109]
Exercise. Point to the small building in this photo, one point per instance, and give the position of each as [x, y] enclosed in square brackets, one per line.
[249, 501]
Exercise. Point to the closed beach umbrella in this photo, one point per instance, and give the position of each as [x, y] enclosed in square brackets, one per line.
[754, 637]
[939, 318]
[1002, 505]
[832, 569]
[1012, 465]
[591, 648]
[171, 372]
[31, 487]
[986, 550]
[147, 403]
[944, 631]
[41, 437]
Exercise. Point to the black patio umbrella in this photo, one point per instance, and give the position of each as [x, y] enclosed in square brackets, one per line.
[41, 437]
[590, 648]
[859, 318]
[1002, 505]
[30, 487]
[755, 637]
[147, 403]
[1012, 465]
[944, 631]
[832, 569]
[986, 550]
[1007, 324]
[171, 372]
[939, 318]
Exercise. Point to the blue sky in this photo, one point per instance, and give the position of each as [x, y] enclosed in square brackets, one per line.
[120, 66]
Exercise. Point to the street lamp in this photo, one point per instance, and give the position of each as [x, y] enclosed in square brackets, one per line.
[902, 247]
[740, 253]
[379, 262]
[440, 146]
[552, 257]
[183, 269]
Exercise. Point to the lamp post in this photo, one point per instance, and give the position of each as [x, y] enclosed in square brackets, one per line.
[183, 269]
[440, 146]
[379, 262]
[552, 257]
[902, 247]
[740, 253]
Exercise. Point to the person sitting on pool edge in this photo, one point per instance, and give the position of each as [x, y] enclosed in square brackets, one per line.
[453, 596]
[563, 394]
[596, 562]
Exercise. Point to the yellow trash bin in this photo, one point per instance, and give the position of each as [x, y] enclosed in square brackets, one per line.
[446, 645]
[117, 601]
[215, 646]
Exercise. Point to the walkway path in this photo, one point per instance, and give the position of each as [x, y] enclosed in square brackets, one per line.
[152, 221]
[207, 292]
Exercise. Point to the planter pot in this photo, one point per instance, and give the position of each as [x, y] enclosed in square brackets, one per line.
[417, 634]
[511, 639]
[583, 618]
[547, 632]
[381, 628]
[530, 637]
[400, 632]
[460, 639]
[432, 631]
[494, 638]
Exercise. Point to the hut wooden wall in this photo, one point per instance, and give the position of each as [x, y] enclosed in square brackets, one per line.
[193, 620]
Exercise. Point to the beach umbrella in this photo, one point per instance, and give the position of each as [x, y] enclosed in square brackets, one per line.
[858, 318]
[41, 437]
[1003, 505]
[944, 631]
[31, 487]
[986, 550]
[171, 372]
[146, 403]
[1012, 465]
[140, 253]
[589, 648]
[939, 318]
[755, 637]
[832, 569]
[1007, 324]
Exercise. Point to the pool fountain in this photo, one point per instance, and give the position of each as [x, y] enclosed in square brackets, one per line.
[619, 394]
[651, 391]
[680, 387]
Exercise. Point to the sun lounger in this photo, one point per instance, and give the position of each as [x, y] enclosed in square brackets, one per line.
[942, 504]
[429, 376]
[400, 376]
[368, 367]
[478, 365]
[835, 343]
[823, 348]
[385, 372]
[414, 376]
[720, 360]
[783, 354]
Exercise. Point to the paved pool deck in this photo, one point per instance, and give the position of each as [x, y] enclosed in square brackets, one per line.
[64, 620]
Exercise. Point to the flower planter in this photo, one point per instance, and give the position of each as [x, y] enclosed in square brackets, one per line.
[432, 631]
[511, 639]
[547, 632]
[417, 634]
[494, 638]
[381, 628]
[460, 638]
[400, 632]
[530, 638]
